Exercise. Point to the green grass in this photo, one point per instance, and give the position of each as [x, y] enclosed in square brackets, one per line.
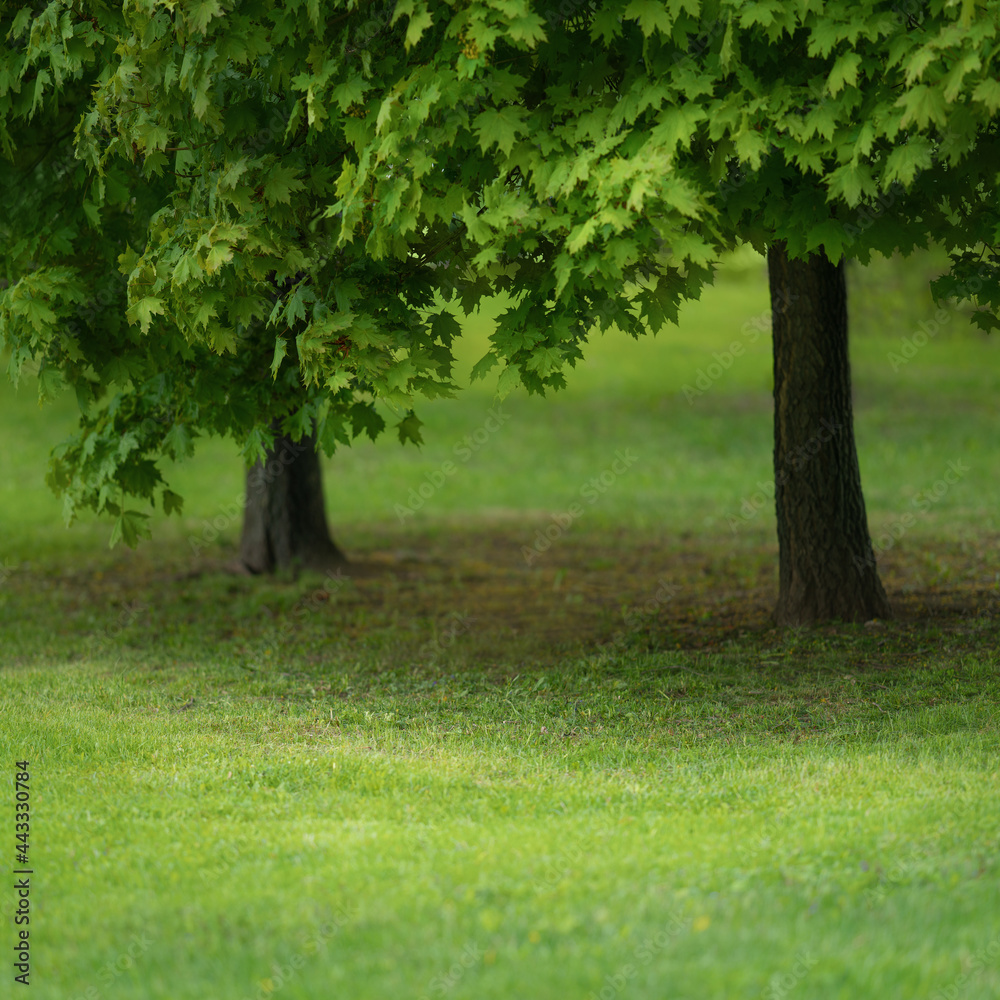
[702, 825]
[455, 775]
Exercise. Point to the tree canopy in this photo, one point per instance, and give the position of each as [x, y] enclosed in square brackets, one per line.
[224, 213]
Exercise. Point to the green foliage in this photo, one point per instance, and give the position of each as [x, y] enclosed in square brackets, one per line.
[291, 193]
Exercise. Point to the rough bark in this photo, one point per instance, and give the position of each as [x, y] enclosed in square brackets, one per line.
[826, 563]
[284, 524]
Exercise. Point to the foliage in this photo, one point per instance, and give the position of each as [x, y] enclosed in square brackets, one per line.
[295, 191]
[700, 452]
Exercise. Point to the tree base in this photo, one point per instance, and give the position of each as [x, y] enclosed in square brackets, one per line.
[804, 604]
[284, 525]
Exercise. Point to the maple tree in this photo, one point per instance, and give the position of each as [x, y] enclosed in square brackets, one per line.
[295, 193]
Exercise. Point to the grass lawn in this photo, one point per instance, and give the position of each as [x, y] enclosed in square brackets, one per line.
[479, 767]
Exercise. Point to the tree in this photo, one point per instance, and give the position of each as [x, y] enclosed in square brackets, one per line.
[232, 242]
[551, 159]
[850, 125]
[814, 125]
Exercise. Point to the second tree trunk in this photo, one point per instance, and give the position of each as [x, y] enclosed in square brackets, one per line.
[826, 562]
[284, 524]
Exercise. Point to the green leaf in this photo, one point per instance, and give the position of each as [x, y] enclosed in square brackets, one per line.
[172, 502]
[21, 22]
[280, 351]
[985, 320]
[905, 160]
[351, 91]
[295, 305]
[500, 126]
[207, 304]
[850, 182]
[419, 22]
[677, 125]
[864, 140]
[41, 81]
[339, 380]
[50, 382]
[200, 13]
[527, 28]
[142, 311]
[955, 79]
[365, 420]
[233, 173]
[831, 235]
[918, 62]
[730, 51]
[178, 440]
[409, 429]
[680, 194]
[510, 379]
[129, 527]
[825, 34]
[581, 235]
[923, 105]
[652, 16]
[605, 25]
[445, 328]
[127, 260]
[116, 371]
[38, 314]
[988, 92]
[218, 254]
[844, 73]
[186, 269]
[255, 446]
[760, 12]
[750, 146]
[133, 526]
[483, 366]
[544, 360]
[154, 137]
[280, 185]
[93, 213]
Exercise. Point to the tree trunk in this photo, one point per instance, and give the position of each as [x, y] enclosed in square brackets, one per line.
[826, 562]
[284, 524]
